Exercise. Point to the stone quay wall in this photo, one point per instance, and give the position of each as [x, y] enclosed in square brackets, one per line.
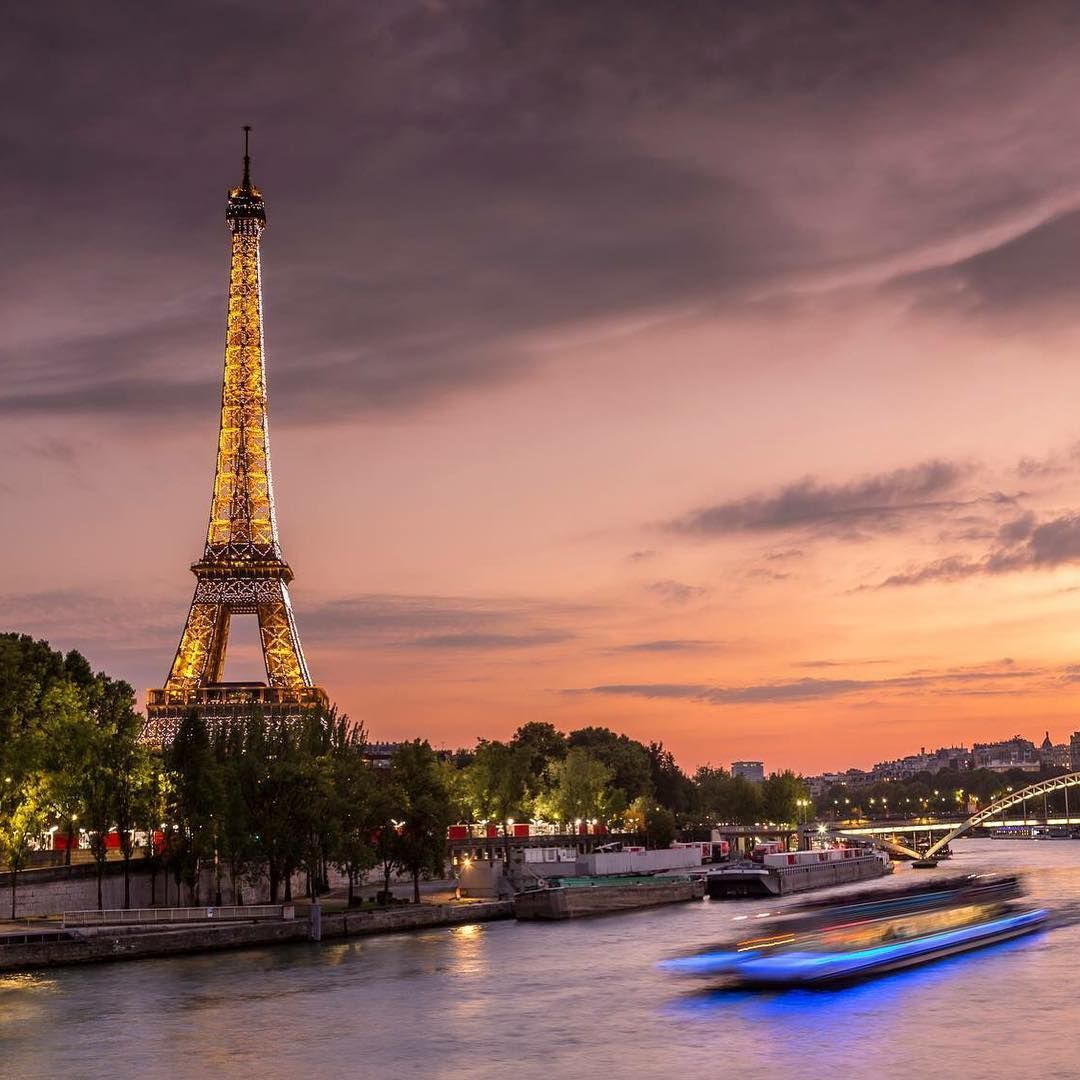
[52, 890]
[131, 943]
[414, 917]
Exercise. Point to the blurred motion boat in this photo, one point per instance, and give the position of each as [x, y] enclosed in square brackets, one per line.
[871, 933]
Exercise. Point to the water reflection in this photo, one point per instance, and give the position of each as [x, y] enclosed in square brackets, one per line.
[576, 998]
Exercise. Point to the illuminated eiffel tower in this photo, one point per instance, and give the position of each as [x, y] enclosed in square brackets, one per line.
[242, 570]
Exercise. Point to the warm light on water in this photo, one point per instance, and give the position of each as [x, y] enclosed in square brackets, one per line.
[535, 1000]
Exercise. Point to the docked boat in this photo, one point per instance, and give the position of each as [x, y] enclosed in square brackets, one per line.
[871, 933]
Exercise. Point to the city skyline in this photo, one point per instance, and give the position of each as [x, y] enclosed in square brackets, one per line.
[591, 404]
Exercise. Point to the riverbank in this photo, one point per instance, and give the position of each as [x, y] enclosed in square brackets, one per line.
[102, 944]
[52, 945]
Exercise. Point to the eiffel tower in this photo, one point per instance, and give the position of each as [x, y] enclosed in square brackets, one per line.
[242, 570]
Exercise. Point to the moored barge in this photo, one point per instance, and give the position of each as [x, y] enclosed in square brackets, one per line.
[796, 871]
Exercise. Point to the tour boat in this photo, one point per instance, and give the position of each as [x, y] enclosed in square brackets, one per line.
[871, 933]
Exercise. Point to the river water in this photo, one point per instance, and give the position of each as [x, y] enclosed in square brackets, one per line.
[584, 998]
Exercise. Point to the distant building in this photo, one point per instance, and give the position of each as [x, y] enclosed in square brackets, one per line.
[1074, 751]
[852, 778]
[1014, 753]
[378, 754]
[956, 758]
[1055, 755]
[749, 770]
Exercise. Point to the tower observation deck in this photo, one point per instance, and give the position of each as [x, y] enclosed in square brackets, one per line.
[242, 569]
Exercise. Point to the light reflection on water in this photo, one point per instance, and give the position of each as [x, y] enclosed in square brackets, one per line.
[551, 1000]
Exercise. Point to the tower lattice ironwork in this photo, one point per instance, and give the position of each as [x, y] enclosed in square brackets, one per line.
[242, 570]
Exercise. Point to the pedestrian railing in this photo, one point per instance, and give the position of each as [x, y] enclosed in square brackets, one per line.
[150, 916]
[32, 937]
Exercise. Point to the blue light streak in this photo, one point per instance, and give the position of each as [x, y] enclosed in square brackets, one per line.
[795, 967]
[807, 966]
[710, 963]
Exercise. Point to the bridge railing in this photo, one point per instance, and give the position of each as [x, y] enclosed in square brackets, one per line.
[150, 916]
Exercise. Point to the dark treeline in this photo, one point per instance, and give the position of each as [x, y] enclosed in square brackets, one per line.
[594, 774]
[261, 801]
[270, 798]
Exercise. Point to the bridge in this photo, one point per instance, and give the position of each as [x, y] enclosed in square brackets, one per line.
[1043, 787]
[898, 838]
[885, 836]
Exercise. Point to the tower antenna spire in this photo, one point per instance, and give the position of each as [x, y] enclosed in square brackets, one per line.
[247, 159]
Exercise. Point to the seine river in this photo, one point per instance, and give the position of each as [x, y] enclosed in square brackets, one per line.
[579, 999]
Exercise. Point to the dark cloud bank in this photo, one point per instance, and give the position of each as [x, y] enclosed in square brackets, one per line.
[931, 492]
[446, 179]
[1022, 544]
[873, 502]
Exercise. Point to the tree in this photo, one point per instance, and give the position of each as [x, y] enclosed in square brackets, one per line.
[660, 828]
[97, 793]
[636, 813]
[714, 794]
[722, 797]
[107, 779]
[155, 804]
[357, 808]
[276, 797]
[388, 809]
[22, 824]
[197, 800]
[540, 745]
[580, 785]
[780, 793]
[389, 852]
[459, 790]
[496, 782]
[672, 788]
[29, 670]
[626, 758]
[418, 780]
[132, 773]
[36, 683]
[326, 739]
[235, 830]
[67, 738]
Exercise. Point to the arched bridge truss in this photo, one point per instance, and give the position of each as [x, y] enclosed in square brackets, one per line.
[893, 847]
[1043, 787]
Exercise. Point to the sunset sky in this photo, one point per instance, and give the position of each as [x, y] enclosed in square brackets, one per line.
[706, 371]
